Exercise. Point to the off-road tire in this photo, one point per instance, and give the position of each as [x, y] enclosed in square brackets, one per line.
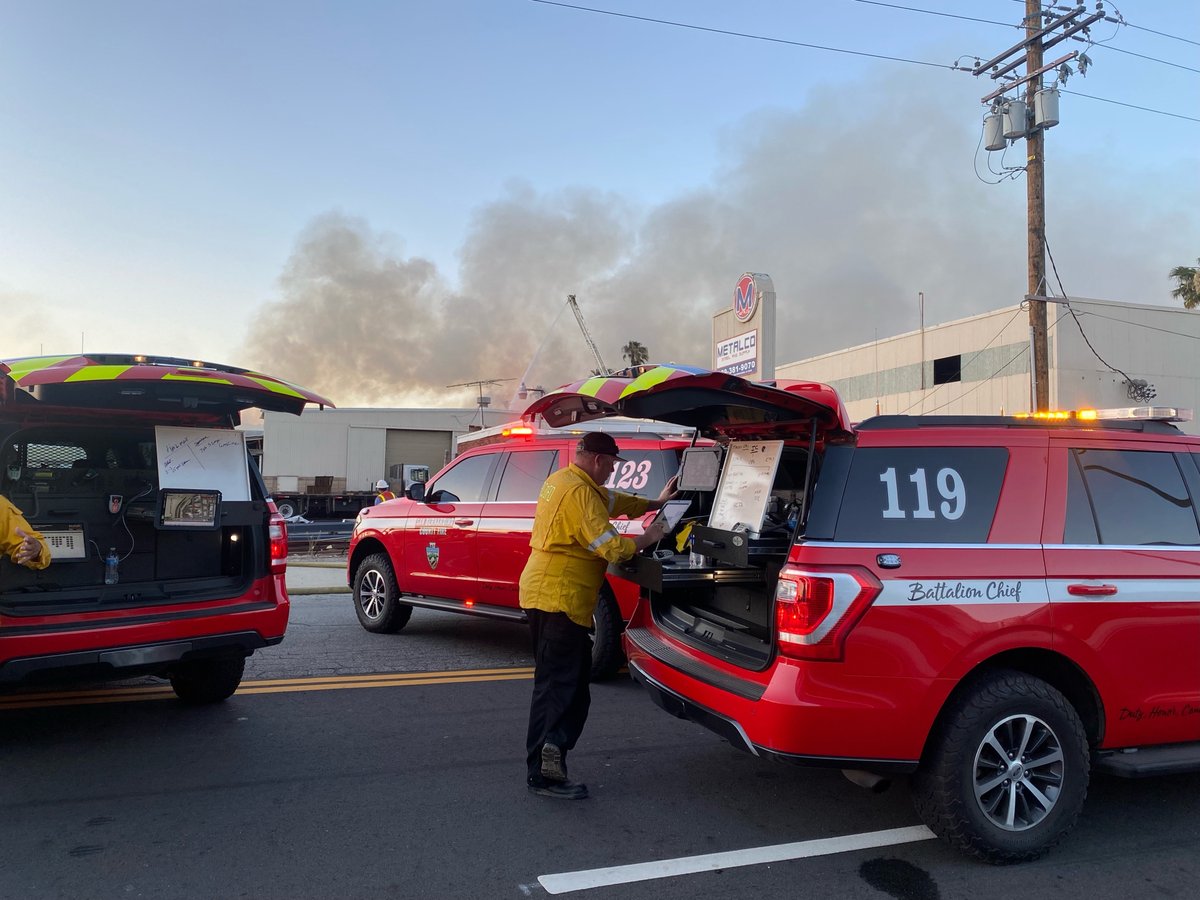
[1004, 709]
[199, 681]
[607, 654]
[377, 596]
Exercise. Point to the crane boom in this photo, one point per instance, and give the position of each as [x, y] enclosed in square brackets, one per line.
[586, 336]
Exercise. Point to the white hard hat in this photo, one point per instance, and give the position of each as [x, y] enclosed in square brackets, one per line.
[381, 485]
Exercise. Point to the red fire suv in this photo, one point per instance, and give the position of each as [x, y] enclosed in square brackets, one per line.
[459, 543]
[167, 557]
[996, 605]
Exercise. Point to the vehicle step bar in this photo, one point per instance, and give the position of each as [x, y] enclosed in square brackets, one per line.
[461, 606]
[1145, 761]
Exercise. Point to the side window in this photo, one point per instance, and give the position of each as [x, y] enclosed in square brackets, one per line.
[912, 495]
[1081, 521]
[644, 472]
[524, 473]
[465, 481]
[1137, 496]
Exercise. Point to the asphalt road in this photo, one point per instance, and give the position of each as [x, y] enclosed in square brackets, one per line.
[411, 785]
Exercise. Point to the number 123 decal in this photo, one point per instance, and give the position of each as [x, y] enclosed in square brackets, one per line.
[629, 475]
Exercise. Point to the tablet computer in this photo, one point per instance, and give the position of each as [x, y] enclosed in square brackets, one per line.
[672, 511]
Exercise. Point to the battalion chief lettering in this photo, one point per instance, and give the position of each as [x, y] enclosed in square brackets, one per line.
[1007, 591]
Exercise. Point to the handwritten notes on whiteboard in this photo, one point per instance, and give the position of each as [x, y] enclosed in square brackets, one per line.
[745, 486]
[203, 459]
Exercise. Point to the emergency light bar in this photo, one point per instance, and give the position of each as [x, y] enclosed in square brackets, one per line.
[1126, 413]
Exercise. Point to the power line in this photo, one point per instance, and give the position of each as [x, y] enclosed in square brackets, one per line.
[1173, 37]
[934, 12]
[775, 40]
[1182, 334]
[1160, 112]
[925, 397]
[742, 34]
[1164, 62]
[1120, 18]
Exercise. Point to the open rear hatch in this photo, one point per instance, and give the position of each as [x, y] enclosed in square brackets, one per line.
[719, 406]
[139, 454]
[108, 381]
[724, 605]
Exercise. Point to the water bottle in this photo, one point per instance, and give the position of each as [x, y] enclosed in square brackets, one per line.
[110, 566]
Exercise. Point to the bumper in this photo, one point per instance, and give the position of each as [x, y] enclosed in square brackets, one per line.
[806, 715]
[682, 708]
[147, 658]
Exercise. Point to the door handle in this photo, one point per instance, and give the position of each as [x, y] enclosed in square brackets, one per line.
[1092, 590]
[464, 522]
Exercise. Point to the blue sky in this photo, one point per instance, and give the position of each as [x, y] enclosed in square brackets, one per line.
[379, 199]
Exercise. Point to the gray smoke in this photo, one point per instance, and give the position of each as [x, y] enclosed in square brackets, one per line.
[851, 215]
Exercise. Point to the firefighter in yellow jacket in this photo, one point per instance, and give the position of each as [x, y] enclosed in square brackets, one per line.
[572, 544]
[18, 540]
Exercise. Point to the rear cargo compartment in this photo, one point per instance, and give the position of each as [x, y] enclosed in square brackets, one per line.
[719, 597]
[93, 489]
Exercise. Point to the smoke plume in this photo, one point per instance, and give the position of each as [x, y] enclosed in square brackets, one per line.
[851, 215]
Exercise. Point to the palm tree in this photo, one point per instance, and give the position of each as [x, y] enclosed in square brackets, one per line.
[635, 352]
[1188, 287]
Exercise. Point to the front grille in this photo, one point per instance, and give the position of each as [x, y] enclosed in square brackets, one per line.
[648, 642]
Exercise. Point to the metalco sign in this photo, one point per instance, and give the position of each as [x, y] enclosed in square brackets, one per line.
[738, 355]
[745, 296]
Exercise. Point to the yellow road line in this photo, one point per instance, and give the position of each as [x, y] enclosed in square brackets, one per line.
[266, 686]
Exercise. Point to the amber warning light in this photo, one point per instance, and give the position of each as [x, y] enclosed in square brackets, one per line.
[1128, 413]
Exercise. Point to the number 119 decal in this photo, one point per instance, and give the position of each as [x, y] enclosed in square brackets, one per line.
[949, 484]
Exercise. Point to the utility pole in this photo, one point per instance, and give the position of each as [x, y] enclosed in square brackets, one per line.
[1035, 199]
[1038, 38]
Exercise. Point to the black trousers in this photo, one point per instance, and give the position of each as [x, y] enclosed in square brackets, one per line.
[562, 653]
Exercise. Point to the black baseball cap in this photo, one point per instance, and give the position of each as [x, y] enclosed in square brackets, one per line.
[599, 442]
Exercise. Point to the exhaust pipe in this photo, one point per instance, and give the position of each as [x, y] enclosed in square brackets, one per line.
[874, 783]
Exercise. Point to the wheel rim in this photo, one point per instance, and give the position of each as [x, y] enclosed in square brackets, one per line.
[1019, 772]
[372, 593]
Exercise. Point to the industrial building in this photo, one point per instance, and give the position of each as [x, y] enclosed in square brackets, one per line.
[1102, 354]
[336, 450]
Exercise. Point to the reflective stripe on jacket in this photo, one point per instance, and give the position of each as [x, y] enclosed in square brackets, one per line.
[573, 542]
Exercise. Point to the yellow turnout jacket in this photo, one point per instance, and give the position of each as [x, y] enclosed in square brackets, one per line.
[10, 520]
[573, 542]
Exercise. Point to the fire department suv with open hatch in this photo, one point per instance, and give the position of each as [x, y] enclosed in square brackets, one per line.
[460, 543]
[997, 605]
[167, 557]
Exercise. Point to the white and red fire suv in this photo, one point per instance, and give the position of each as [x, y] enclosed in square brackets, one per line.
[999, 606]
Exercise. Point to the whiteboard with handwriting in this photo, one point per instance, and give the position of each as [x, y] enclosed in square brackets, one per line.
[745, 486]
[212, 459]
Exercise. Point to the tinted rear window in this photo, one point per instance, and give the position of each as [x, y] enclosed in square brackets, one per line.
[913, 495]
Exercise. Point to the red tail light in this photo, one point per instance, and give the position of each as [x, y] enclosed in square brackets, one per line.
[277, 531]
[815, 610]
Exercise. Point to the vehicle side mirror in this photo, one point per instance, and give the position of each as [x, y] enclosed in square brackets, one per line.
[416, 491]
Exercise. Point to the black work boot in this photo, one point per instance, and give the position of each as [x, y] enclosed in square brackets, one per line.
[564, 790]
[554, 767]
